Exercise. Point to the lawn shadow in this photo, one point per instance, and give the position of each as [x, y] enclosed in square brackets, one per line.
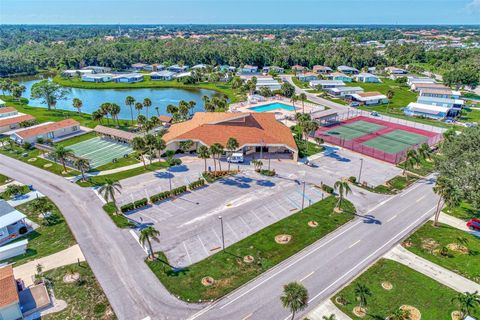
[179, 168]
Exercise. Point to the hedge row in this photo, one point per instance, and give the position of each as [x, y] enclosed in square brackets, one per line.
[167, 194]
[327, 188]
[196, 184]
[135, 205]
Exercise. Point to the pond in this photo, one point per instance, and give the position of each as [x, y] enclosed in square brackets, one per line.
[93, 98]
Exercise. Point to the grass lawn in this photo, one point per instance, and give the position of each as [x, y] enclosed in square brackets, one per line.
[77, 139]
[46, 239]
[424, 168]
[220, 87]
[99, 180]
[428, 241]
[464, 211]
[17, 153]
[470, 115]
[229, 269]
[119, 220]
[432, 299]
[85, 298]
[3, 179]
[300, 84]
[393, 185]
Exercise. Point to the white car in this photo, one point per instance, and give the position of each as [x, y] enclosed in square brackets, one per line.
[236, 158]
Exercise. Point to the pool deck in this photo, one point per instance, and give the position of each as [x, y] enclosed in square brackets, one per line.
[281, 114]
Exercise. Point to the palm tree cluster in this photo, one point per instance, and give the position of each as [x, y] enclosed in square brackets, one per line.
[106, 109]
[13, 87]
[109, 191]
[307, 126]
[343, 189]
[183, 111]
[151, 145]
[217, 103]
[415, 156]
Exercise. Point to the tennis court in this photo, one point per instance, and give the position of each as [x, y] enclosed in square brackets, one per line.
[377, 138]
[354, 130]
[395, 141]
[100, 151]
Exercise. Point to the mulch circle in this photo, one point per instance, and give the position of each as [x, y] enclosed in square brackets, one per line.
[248, 259]
[407, 244]
[283, 238]
[458, 248]
[338, 210]
[70, 278]
[387, 285]
[47, 165]
[414, 312]
[360, 312]
[313, 224]
[32, 159]
[457, 315]
[207, 281]
[341, 301]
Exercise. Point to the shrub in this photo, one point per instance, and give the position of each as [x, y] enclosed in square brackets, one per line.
[179, 190]
[327, 188]
[196, 184]
[127, 207]
[160, 196]
[352, 179]
[140, 203]
[265, 172]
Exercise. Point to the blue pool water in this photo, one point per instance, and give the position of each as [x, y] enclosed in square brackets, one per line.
[272, 106]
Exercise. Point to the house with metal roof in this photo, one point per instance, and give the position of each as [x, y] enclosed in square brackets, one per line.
[370, 98]
[13, 223]
[344, 92]
[97, 77]
[128, 78]
[321, 69]
[326, 84]
[307, 76]
[177, 68]
[340, 77]
[367, 78]
[426, 110]
[162, 75]
[347, 70]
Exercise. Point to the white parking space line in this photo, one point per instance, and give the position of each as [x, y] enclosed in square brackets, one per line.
[228, 225]
[249, 228]
[188, 254]
[247, 316]
[263, 223]
[216, 234]
[354, 244]
[203, 246]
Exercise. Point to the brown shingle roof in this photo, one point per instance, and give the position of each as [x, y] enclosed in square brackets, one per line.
[370, 94]
[166, 119]
[8, 287]
[115, 133]
[7, 109]
[45, 128]
[13, 120]
[247, 128]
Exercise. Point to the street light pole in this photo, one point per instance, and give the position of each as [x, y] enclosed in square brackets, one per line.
[360, 172]
[170, 181]
[223, 236]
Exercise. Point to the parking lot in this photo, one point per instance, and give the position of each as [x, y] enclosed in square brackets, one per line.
[190, 227]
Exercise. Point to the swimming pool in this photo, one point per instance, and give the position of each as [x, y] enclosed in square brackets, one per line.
[272, 106]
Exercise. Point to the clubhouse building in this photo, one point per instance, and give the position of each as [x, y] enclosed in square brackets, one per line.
[255, 132]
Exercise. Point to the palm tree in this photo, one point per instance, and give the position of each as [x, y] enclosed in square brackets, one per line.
[41, 205]
[172, 109]
[141, 120]
[158, 111]
[77, 104]
[468, 302]
[147, 103]
[97, 116]
[424, 152]
[147, 234]
[361, 293]
[303, 97]
[216, 149]
[82, 164]
[399, 314]
[115, 111]
[139, 145]
[159, 145]
[411, 160]
[191, 106]
[105, 110]
[60, 153]
[294, 99]
[150, 141]
[138, 107]
[449, 195]
[330, 317]
[130, 101]
[390, 95]
[203, 153]
[343, 189]
[108, 191]
[232, 145]
[294, 297]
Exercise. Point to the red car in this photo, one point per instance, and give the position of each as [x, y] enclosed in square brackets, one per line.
[474, 224]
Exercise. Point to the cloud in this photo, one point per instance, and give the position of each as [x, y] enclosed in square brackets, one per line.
[474, 6]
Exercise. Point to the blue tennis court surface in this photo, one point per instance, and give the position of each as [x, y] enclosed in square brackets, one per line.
[100, 151]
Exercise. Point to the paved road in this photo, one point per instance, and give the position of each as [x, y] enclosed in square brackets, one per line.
[114, 256]
[332, 262]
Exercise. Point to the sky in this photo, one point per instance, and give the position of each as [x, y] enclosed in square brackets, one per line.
[240, 12]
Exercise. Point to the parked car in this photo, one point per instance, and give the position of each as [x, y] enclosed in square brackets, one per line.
[474, 224]
[374, 113]
[354, 104]
[236, 158]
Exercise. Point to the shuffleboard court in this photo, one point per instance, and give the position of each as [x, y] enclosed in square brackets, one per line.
[100, 151]
[395, 141]
[354, 130]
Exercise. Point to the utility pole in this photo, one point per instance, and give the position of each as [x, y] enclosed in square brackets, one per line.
[303, 195]
[223, 236]
[360, 172]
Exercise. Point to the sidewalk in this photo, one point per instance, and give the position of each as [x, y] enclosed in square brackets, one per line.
[25, 198]
[452, 222]
[68, 256]
[326, 308]
[432, 270]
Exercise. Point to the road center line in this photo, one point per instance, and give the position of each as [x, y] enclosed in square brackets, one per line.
[308, 275]
[420, 199]
[247, 316]
[354, 244]
[391, 218]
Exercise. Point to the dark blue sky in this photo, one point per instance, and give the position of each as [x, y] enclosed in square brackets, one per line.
[240, 11]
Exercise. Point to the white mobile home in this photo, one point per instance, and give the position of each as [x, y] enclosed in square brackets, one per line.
[50, 130]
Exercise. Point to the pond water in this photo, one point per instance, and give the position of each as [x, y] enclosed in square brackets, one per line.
[93, 98]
